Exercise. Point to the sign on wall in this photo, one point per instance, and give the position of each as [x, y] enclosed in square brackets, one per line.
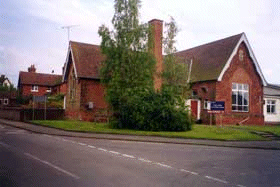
[218, 106]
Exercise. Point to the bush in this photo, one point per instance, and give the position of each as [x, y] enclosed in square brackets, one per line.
[153, 111]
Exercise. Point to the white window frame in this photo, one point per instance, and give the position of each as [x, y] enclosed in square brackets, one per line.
[6, 101]
[205, 104]
[271, 104]
[49, 89]
[34, 88]
[241, 92]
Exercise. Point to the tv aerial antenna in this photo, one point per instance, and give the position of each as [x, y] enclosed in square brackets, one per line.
[68, 29]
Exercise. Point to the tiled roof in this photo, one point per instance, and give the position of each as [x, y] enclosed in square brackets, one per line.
[209, 59]
[39, 78]
[87, 59]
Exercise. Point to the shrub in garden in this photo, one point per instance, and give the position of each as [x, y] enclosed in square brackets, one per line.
[153, 111]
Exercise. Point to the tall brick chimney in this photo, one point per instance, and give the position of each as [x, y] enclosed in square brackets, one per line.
[156, 50]
[32, 69]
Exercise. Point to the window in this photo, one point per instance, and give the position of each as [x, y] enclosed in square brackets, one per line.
[6, 101]
[204, 89]
[270, 107]
[240, 97]
[194, 93]
[205, 106]
[34, 88]
[49, 89]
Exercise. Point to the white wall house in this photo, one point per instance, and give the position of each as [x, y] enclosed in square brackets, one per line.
[272, 104]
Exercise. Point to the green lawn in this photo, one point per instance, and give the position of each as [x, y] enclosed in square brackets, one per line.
[197, 132]
[272, 129]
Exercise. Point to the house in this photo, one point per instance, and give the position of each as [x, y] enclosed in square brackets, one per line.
[226, 70]
[39, 84]
[4, 81]
[8, 98]
[85, 97]
[272, 104]
[7, 93]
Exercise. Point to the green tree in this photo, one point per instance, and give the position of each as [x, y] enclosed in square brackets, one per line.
[176, 70]
[128, 75]
[128, 68]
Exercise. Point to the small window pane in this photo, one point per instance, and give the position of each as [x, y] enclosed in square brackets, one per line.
[273, 109]
[239, 98]
[234, 96]
[234, 87]
[239, 108]
[240, 87]
[246, 87]
[234, 107]
[245, 98]
[268, 108]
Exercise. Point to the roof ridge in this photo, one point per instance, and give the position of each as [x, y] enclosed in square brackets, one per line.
[83, 43]
[41, 73]
[216, 41]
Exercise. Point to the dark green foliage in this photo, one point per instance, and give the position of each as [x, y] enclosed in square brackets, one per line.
[23, 100]
[153, 111]
[176, 70]
[128, 67]
[128, 73]
[6, 88]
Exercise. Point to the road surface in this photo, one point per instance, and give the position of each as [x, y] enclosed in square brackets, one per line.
[29, 159]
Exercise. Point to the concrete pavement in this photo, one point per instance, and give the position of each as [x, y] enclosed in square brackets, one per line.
[269, 145]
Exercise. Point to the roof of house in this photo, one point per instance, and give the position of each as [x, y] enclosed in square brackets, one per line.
[87, 59]
[210, 59]
[39, 78]
[271, 90]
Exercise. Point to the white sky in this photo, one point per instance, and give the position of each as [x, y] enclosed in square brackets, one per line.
[31, 33]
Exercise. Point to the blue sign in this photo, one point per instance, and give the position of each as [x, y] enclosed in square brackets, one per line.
[217, 106]
[40, 99]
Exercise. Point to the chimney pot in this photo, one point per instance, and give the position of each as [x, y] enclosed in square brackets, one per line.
[32, 68]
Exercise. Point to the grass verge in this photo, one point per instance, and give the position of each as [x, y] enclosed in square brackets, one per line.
[272, 129]
[197, 132]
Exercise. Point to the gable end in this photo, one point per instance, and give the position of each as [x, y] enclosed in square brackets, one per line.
[245, 40]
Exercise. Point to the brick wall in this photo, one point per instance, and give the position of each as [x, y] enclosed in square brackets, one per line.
[26, 90]
[242, 72]
[92, 91]
[205, 91]
[87, 90]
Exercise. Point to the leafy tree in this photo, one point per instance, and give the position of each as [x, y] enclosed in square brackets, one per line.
[128, 74]
[176, 70]
[128, 68]
[6, 88]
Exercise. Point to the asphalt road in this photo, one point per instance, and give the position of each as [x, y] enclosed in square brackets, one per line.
[29, 159]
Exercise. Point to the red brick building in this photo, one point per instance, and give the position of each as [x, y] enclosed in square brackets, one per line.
[226, 70]
[39, 84]
[85, 94]
[85, 97]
